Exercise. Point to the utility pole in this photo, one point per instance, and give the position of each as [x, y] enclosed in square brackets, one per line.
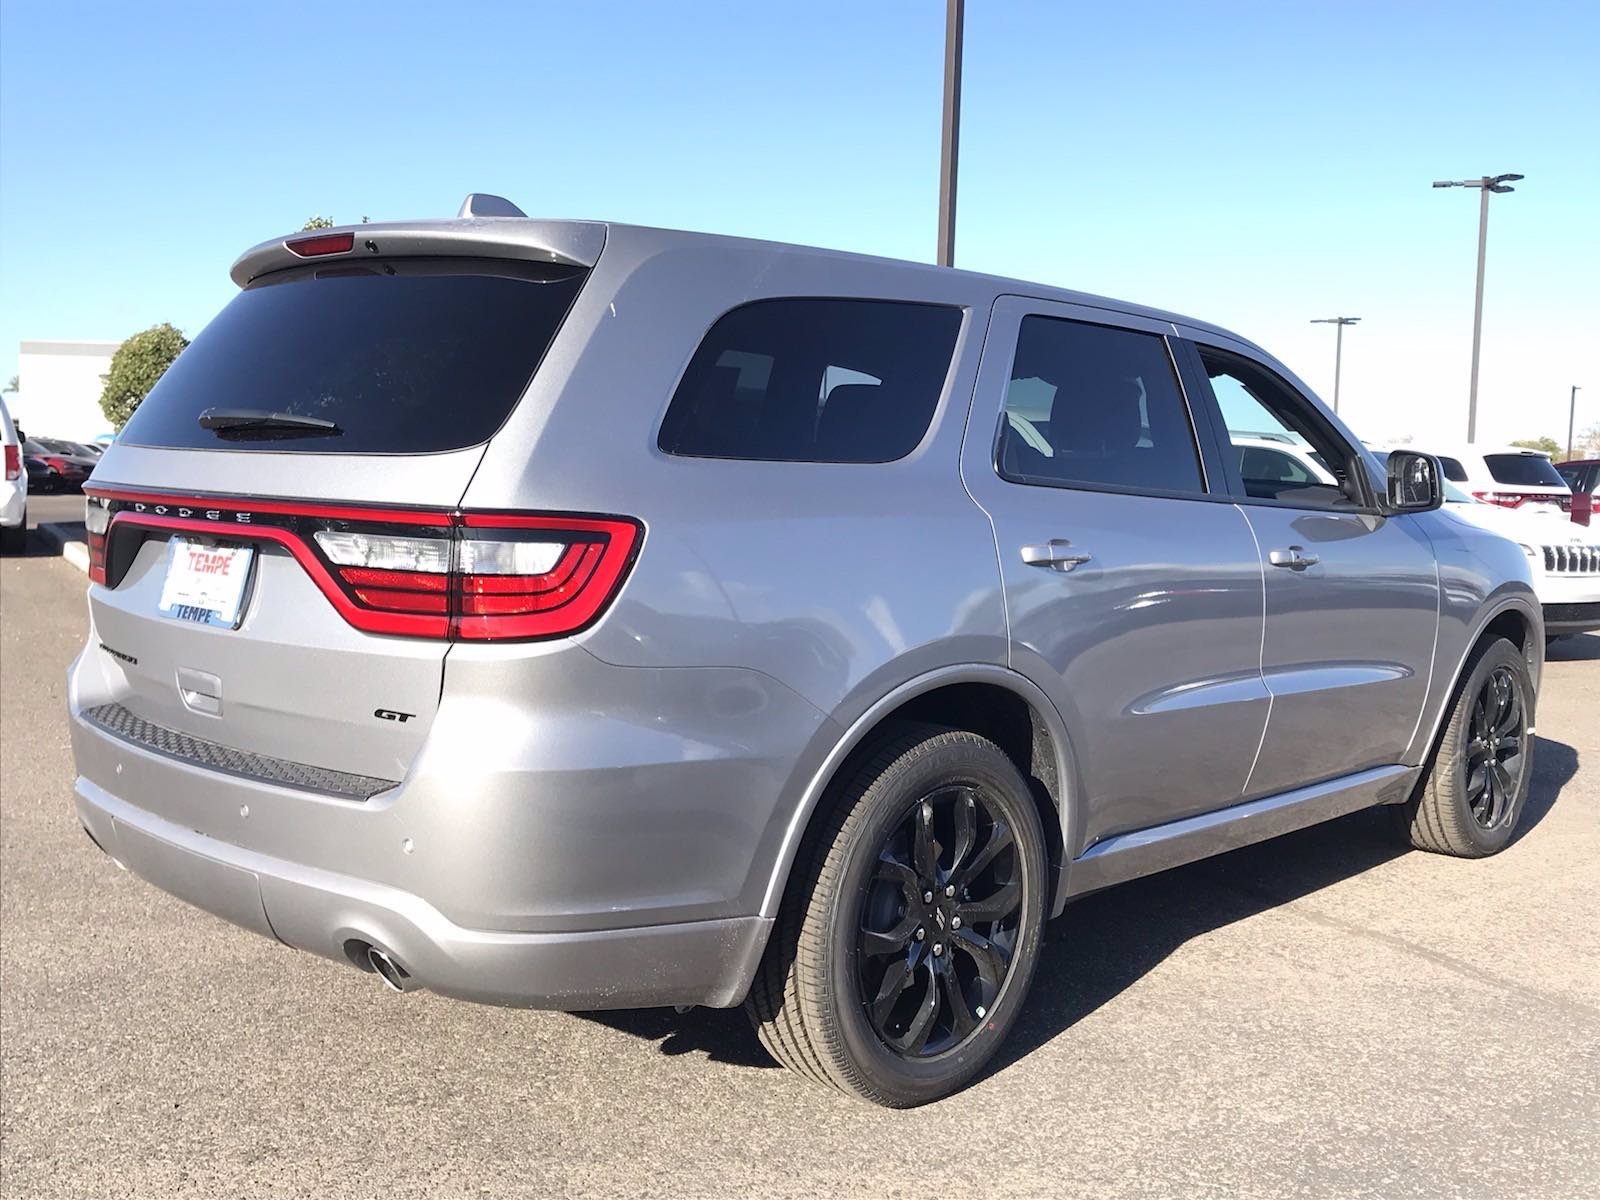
[1338, 347]
[1485, 185]
[1572, 413]
[950, 142]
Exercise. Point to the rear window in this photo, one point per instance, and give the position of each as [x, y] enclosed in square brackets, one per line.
[813, 380]
[403, 356]
[1529, 470]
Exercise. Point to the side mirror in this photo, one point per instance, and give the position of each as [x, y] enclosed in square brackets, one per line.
[1413, 482]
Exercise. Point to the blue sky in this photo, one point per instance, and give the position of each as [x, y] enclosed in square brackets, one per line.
[1255, 164]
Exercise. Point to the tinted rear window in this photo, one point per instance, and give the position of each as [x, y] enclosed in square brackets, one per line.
[811, 380]
[1529, 470]
[404, 356]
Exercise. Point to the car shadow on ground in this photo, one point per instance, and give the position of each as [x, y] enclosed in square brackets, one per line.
[1106, 942]
[1582, 647]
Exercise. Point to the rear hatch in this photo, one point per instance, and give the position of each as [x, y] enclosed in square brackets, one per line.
[1528, 481]
[273, 534]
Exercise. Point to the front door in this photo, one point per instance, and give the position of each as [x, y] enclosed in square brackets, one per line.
[1133, 590]
[1352, 595]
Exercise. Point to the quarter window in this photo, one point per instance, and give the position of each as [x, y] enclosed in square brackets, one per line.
[813, 380]
[1091, 405]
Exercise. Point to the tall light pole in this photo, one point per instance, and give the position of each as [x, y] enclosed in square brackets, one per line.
[951, 139]
[1485, 185]
[1572, 413]
[1338, 347]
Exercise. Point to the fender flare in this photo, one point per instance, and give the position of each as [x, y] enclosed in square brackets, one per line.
[863, 725]
[1534, 619]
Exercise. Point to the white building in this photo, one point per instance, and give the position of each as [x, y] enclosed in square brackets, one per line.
[58, 389]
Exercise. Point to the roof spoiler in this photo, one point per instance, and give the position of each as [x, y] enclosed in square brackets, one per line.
[486, 227]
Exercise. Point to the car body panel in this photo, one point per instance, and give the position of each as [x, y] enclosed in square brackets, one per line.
[611, 818]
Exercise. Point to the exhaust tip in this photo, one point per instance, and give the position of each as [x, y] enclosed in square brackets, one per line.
[394, 976]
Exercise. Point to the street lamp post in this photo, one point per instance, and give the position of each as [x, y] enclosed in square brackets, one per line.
[950, 140]
[1338, 347]
[1485, 185]
[1572, 413]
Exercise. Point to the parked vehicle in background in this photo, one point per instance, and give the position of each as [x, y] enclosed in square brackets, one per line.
[1509, 476]
[580, 615]
[1564, 559]
[1583, 477]
[13, 487]
[68, 470]
[41, 479]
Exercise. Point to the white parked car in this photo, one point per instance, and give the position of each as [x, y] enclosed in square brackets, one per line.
[1565, 557]
[1512, 477]
[13, 488]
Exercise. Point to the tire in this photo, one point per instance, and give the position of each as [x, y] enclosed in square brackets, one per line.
[1461, 808]
[863, 889]
[15, 540]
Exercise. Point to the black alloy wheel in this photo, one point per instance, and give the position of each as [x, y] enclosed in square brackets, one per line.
[1493, 762]
[939, 923]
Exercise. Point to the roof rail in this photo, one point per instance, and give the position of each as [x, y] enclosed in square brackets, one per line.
[482, 204]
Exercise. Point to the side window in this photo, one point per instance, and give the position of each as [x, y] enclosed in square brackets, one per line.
[1098, 406]
[813, 380]
[1257, 406]
[1453, 470]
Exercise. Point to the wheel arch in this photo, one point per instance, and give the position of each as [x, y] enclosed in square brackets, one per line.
[1518, 622]
[987, 699]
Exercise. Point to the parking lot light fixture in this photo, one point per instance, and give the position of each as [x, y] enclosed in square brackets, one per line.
[1485, 185]
[1338, 347]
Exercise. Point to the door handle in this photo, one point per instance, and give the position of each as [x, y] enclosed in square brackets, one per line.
[1295, 558]
[1057, 554]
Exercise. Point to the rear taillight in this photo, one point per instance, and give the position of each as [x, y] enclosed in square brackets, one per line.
[96, 519]
[462, 576]
[1504, 499]
[13, 462]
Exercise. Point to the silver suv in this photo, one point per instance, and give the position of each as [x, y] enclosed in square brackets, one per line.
[577, 615]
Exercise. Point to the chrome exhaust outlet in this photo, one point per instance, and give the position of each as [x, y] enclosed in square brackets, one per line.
[394, 976]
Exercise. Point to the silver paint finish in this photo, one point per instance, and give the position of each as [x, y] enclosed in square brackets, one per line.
[612, 818]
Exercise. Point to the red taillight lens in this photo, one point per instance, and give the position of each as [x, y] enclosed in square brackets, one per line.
[1503, 499]
[461, 576]
[533, 577]
[13, 462]
[325, 243]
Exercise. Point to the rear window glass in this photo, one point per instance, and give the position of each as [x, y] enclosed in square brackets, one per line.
[813, 380]
[403, 356]
[1529, 470]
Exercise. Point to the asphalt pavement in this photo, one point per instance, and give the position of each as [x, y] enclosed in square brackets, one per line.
[1327, 1014]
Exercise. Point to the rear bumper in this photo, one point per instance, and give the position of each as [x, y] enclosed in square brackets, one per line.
[13, 503]
[337, 916]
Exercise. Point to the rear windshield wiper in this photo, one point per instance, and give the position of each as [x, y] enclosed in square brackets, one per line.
[259, 420]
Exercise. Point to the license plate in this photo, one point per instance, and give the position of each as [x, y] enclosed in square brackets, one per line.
[205, 582]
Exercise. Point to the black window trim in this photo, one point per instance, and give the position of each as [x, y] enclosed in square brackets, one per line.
[1206, 453]
[935, 418]
[1188, 353]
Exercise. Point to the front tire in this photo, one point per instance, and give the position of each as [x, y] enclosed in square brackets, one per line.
[908, 940]
[1477, 784]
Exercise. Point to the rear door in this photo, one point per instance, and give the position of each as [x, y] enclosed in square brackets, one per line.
[1352, 596]
[1132, 584]
[271, 532]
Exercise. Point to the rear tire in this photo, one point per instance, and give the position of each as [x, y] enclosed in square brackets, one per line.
[15, 541]
[1477, 784]
[908, 939]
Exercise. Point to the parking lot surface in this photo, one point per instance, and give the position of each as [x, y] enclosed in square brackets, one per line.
[1327, 1014]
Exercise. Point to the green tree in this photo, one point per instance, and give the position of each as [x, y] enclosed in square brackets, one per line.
[1548, 444]
[135, 367]
[326, 222]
